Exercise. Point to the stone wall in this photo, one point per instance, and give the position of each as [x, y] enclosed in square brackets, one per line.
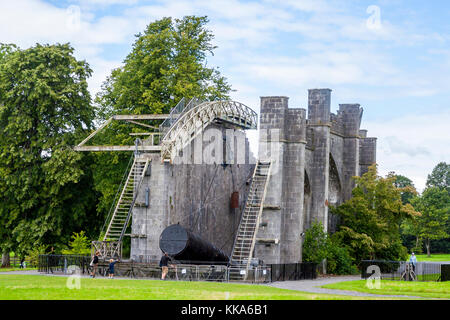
[319, 157]
[314, 156]
[197, 196]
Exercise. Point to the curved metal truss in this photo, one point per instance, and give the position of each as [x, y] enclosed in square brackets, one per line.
[195, 120]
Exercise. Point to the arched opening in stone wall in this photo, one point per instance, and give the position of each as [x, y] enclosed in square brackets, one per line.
[306, 203]
[334, 194]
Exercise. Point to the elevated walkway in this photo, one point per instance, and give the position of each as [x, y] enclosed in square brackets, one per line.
[196, 116]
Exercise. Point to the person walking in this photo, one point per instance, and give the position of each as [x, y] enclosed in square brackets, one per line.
[413, 261]
[164, 264]
[94, 264]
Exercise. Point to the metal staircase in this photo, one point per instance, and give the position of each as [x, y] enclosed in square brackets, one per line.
[245, 240]
[123, 210]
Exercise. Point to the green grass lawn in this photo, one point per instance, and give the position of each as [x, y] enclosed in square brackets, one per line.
[433, 257]
[35, 287]
[15, 269]
[417, 289]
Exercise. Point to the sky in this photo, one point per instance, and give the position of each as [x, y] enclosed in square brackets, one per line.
[390, 56]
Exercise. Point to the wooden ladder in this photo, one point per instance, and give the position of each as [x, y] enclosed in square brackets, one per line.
[124, 208]
[245, 240]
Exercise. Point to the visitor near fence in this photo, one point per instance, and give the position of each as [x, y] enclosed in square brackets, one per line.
[413, 261]
[164, 264]
[112, 262]
[94, 264]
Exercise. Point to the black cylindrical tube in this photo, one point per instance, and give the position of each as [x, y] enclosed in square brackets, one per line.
[182, 244]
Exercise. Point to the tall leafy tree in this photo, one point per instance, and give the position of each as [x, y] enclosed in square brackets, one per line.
[45, 107]
[434, 206]
[168, 61]
[408, 226]
[370, 220]
[5, 238]
[440, 176]
[406, 185]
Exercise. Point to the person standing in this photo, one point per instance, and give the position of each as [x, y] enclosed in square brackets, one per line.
[112, 262]
[413, 261]
[164, 264]
[94, 264]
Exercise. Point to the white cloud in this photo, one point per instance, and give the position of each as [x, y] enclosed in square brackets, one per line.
[272, 47]
[411, 145]
[26, 22]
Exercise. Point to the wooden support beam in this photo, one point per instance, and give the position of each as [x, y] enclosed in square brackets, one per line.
[142, 133]
[117, 148]
[140, 116]
[95, 132]
[143, 124]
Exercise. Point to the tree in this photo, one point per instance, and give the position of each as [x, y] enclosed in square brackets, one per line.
[434, 205]
[318, 246]
[80, 244]
[5, 49]
[168, 61]
[370, 220]
[315, 244]
[410, 227]
[440, 176]
[406, 184]
[45, 107]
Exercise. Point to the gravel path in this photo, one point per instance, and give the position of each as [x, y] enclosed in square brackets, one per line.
[313, 286]
[28, 272]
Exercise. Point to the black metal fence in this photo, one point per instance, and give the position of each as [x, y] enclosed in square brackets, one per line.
[445, 272]
[293, 271]
[50, 263]
[62, 264]
[403, 270]
[15, 262]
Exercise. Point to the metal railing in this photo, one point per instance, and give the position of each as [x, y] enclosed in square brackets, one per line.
[293, 271]
[52, 263]
[402, 270]
[173, 116]
[182, 107]
[144, 270]
[15, 262]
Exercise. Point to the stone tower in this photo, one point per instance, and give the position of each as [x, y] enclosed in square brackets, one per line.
[314, 159]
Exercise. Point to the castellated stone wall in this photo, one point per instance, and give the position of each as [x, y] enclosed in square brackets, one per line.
[314, 155]
[315, 159]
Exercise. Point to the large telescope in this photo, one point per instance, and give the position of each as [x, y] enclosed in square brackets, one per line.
[187, 247]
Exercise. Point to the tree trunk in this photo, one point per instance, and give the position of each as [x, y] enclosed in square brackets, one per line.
[5, 260]
[427, 243]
